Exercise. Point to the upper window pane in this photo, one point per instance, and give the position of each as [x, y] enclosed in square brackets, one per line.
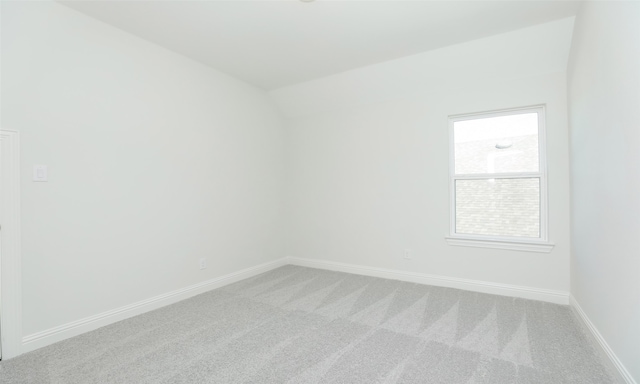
[501, 144]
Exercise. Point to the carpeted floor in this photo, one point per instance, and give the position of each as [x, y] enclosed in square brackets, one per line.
[302, 325]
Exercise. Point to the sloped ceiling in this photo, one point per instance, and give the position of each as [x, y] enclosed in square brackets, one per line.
[272, 44]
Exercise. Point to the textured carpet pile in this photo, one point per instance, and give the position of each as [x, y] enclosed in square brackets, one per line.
[302, 325]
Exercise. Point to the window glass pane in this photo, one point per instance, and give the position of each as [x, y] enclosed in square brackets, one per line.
[502, 207]
[497, 144]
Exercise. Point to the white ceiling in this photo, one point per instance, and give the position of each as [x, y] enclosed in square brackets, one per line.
[272, 44]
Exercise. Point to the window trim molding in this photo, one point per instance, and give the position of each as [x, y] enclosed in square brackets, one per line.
[527, 246]
[538, 244]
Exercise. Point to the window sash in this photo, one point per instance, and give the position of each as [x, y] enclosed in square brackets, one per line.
[493, 236]
[483, 176]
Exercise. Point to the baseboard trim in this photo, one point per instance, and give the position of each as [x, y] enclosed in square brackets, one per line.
[556, 297]
[616, 364]
[65, 331]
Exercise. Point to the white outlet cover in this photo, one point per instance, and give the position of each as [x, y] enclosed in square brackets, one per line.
[40, 173]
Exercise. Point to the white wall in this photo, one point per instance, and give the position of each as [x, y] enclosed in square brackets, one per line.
[154, 161]
[368, 157]
[604, 105]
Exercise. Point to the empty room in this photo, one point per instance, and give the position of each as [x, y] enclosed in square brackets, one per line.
[319, 191]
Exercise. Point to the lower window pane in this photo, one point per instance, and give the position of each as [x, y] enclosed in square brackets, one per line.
[501, 207]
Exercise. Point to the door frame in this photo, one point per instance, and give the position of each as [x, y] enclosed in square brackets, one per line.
[10, 258]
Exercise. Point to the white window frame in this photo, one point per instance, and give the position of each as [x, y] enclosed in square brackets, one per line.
[540, 244]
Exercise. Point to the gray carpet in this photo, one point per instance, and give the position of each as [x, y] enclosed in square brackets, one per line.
[302, 325]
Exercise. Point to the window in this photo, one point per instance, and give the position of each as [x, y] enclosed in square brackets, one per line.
[498, 180]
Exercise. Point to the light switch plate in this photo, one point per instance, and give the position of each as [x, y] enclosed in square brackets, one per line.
[40, 173]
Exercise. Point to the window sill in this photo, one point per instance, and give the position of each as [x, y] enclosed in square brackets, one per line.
[526, 246]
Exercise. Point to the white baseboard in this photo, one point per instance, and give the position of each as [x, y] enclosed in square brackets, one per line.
[556, 297]
[623, 375]
[65, 331]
